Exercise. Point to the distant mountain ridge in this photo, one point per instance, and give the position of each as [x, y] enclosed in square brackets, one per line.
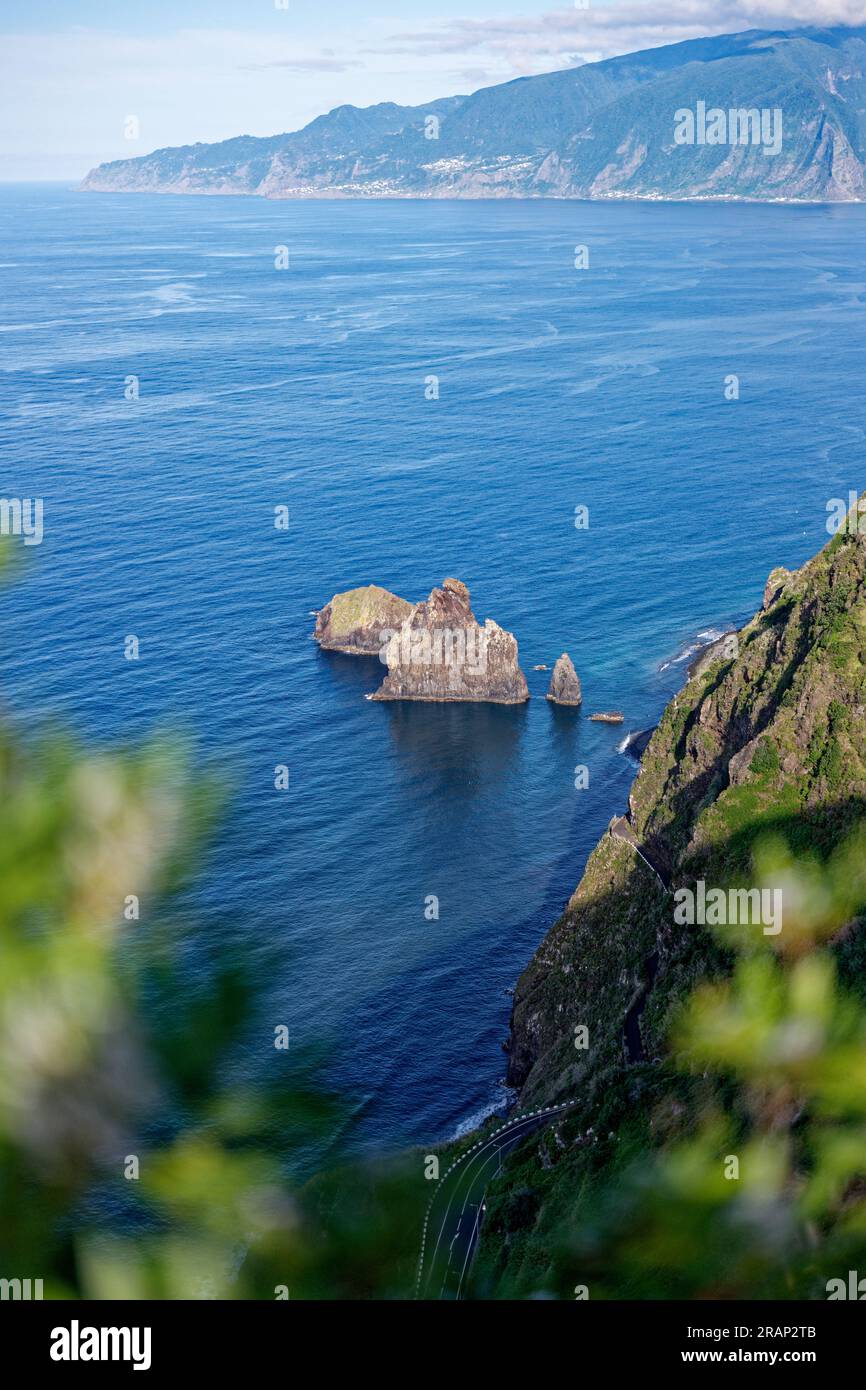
[602, 130]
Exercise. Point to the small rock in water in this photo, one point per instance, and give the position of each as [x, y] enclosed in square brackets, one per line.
[565, 683]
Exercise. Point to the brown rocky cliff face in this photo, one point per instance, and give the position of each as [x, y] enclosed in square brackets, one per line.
[441, 652]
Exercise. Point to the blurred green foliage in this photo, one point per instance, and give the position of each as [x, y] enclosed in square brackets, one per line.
[110, 1057]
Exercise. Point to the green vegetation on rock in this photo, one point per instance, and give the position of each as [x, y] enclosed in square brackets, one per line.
[711, 1044]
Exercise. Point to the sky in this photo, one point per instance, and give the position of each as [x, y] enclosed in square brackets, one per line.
[72, 72]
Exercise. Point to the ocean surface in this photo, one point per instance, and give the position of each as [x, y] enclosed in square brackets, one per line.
[305, 387]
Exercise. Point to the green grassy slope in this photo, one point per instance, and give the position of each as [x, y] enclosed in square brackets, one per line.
[761, 754]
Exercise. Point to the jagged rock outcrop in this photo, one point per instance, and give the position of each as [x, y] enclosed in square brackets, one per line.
[565, 683]
[441, 652]
[777, 582]
[360, 621]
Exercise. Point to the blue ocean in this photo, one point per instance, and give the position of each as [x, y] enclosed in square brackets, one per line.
[307, 387]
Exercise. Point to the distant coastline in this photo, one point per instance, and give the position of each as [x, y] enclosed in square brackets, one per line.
[359, 196]
[607, 131]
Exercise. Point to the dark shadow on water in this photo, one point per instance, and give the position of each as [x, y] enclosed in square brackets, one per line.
[464, 742]
[565, 726]
[360, 674]
[455, 748]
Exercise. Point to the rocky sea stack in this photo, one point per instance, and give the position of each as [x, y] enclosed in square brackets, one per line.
[565, 683]
[441, 652]
[359, 621]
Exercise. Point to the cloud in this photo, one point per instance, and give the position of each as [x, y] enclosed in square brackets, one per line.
[559, 37]
[69, 93]
[305, 65]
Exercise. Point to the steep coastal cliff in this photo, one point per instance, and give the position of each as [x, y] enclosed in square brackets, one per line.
[765, 744]
[768, 734]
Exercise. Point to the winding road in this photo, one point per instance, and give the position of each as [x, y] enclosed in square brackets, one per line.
[456, 1211]
[633, 1046]
[620, 829]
